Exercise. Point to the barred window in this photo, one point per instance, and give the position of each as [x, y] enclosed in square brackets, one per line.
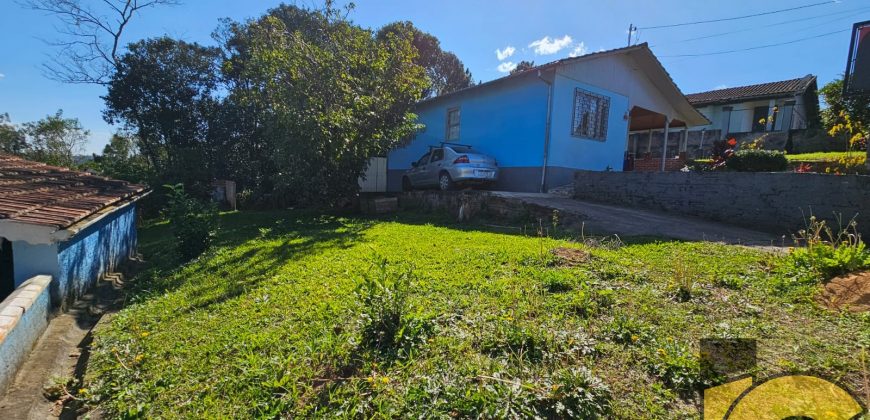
[590, 115]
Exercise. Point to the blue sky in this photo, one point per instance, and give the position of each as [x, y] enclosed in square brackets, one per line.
[477, 31]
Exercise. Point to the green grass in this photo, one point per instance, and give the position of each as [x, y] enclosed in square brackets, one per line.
[827, 156]
[272, 323]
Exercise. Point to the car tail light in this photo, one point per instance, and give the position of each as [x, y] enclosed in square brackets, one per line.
[461, 159]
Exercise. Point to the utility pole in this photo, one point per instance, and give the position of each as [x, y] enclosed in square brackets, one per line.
[631, 29]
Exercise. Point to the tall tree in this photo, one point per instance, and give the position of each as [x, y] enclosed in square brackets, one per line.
[91, 36]
[164, 91]
[523, 66]
[55, 140]
[849, 116]
[12, 138]
[329, 96]
[445, 71]
[121, 160]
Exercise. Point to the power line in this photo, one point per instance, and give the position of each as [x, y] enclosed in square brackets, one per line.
[860, 9]
[740, 17]
[756, 47]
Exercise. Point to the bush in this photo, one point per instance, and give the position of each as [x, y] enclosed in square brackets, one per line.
[193, 222]
[827, 253]
[677, 367]
[757, 161]
[388, 327]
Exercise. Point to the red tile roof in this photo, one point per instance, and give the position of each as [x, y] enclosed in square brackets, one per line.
[36, 193]
[759, 91]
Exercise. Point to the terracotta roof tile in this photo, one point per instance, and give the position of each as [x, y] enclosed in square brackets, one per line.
[36, 193]
[762, 90]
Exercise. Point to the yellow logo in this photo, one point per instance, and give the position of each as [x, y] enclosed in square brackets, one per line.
[778, 398]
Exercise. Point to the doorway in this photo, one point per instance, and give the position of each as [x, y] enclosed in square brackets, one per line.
[7, 273]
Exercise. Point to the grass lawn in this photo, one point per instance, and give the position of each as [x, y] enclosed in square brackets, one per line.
[858, 156]
[298, 315]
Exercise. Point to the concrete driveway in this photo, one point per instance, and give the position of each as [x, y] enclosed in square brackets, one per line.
[624, 221]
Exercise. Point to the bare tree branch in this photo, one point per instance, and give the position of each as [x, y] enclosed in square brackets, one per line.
[91, 39]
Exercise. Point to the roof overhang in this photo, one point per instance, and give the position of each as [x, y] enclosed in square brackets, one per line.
[640, 52]
[39, 234]
[661, 79]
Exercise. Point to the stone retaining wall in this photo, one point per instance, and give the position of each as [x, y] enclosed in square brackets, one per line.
[775, 202]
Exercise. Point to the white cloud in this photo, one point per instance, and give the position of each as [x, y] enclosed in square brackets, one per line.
[2, 75]
[547, 46]
[505, 53]
[720, 87]
[579, 49]
[507, 66]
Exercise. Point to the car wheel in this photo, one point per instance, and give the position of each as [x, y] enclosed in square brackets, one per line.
[444, 182]
[406, 184]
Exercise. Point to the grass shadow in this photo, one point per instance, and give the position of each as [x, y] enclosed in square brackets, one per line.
[246, 251]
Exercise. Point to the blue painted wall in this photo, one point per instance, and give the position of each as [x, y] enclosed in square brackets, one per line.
[568, 151]
[506, 121]
[97, 249]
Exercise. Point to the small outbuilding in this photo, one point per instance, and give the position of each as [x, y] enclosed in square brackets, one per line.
[71, 225]
[543, 124]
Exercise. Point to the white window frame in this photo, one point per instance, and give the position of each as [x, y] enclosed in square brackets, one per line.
[448, 126]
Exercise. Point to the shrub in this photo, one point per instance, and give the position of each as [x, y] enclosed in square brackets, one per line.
[589, 301]
[569, 393]
[388, 326]
[514, 340]
[752, 160]
[576, 393]
[827, 253]
[628, 330]
[676, 366]
[193, 222]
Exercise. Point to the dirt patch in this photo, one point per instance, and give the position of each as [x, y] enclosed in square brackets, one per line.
[570, 257]
[850, 292]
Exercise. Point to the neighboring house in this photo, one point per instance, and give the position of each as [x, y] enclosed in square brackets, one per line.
[70, 225]
[762, 108]
[543, 124]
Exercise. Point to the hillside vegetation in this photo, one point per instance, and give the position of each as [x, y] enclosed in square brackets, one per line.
[299, 315]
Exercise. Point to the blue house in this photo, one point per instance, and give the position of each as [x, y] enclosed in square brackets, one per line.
[543, 124]
[72, 226]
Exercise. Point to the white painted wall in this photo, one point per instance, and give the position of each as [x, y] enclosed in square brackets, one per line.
[623, 75]
[375, 179]
[743, 112]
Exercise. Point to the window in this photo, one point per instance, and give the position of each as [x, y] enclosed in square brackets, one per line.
[423, 160]
[453, 124]
[437, 155]
[590, 115]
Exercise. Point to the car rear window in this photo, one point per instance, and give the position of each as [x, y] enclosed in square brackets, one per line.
[463, 149]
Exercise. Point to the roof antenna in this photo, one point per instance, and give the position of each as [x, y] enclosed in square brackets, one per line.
[631, 29]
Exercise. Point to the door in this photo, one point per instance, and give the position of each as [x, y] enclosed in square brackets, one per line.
[433, 169]
[7, 274]
[759, 119]
[416, 173]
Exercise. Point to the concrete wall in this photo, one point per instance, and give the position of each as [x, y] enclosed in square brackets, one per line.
[29, 260]
[99, 248]
[23, 318]
[775, 202]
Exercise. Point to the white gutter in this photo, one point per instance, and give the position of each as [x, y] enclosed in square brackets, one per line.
[546, 132]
